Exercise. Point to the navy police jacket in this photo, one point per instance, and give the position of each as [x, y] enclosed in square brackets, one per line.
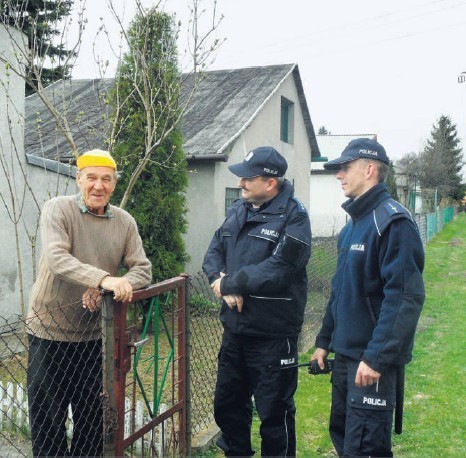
[377, 290]
[264, 255]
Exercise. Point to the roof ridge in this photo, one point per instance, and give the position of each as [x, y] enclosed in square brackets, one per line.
[343, 135]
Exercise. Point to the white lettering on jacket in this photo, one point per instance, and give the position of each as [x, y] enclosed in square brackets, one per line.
[286, 362]
[375, 401]
[270, 232]
[357, 247]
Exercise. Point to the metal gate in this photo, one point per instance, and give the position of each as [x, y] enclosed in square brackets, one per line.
[145, 372]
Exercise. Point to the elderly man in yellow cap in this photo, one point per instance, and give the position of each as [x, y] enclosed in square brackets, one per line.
[85, 240]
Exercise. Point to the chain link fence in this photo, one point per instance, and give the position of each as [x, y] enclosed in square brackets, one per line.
[14, 416]
[430, 224]
[205, 339]
[320, 270]
[44, 379]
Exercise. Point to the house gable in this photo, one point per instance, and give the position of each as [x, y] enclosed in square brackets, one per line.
[226, 103]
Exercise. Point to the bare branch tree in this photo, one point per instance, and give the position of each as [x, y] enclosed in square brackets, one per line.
[160, 121]
[32, 53]
[23, 58]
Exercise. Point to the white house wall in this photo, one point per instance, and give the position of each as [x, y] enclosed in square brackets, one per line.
[11, 180]
[206, 190]
[203, 203]
[32, 187]
[327, 216]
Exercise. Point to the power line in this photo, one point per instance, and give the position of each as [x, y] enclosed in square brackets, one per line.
[383, 16]
[305, 40]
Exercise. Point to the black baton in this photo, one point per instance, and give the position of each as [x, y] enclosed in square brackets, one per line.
[313, 366]
[400, 394]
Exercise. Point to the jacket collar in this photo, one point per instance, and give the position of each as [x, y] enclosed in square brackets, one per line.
[278, 204]
[362, 206]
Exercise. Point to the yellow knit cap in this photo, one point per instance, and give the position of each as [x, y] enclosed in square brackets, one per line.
[95, 158]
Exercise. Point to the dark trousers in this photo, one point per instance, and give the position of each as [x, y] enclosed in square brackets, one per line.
[361, 418]
[252, 366]
[60, 374]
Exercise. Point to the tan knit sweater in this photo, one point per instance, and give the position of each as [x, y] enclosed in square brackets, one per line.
[78, 251]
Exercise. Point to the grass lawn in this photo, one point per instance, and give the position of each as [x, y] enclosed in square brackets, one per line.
[435, 409]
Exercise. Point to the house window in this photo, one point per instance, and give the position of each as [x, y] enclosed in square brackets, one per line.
[286, 121]
[231, 194]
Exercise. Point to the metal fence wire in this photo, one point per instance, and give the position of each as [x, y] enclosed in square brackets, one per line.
[14, 417]
[205, 339]
[44, 379]
[320, 270]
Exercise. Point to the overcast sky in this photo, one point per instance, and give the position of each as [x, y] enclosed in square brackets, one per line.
[388, 67]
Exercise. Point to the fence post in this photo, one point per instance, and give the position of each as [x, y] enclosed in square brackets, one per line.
[108, 375]
[188, 405]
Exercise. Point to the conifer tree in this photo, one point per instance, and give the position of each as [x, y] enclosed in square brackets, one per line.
[146, 88]
[442, 160]
[323, 131]
[39, 20]
[391, 181]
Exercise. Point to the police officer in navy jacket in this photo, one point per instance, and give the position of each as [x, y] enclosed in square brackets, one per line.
[256, 263]
[376, 299]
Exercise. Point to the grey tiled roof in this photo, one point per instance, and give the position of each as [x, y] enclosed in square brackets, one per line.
[83, 102]
[227, 101]
[224, 104]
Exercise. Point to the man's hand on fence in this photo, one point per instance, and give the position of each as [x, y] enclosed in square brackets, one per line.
[122, 289]
[92, 300]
